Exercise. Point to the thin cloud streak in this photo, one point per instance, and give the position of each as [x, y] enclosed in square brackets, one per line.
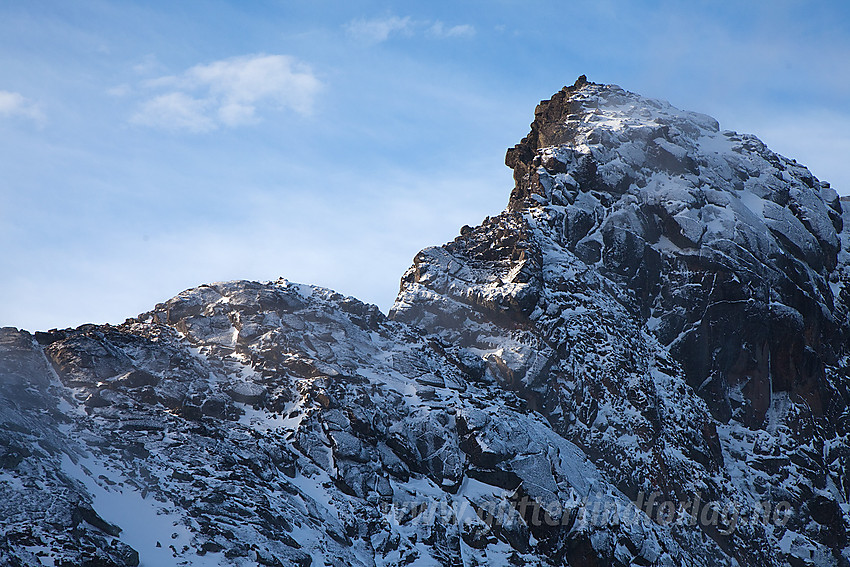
[439, 29]
[378, 30]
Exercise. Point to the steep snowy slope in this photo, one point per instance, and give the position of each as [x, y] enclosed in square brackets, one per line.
[642, 361]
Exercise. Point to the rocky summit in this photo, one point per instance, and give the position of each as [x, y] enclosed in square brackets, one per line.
[642, 361]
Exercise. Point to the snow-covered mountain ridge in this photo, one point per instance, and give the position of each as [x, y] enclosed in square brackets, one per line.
[657, 323]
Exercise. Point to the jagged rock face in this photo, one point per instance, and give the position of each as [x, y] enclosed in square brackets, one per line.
[647, 260]
[551, 329]
[281, 424]
[39, 505]
[661, 312]
[728, 248]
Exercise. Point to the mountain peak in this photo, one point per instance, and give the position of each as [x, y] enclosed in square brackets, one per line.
[697, 227]
[658, 321]
[616, 147]
[588, 116]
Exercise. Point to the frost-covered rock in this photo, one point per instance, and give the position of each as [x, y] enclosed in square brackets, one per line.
[648, 347]
[703, 228]
[657, 288]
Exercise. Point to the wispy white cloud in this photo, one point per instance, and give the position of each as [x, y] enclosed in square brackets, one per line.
[229, 92]
[15, 104]
[439, 29]
[376, 30]
[175, 111]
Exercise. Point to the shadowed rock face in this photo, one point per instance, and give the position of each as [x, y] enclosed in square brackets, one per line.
[659, 315]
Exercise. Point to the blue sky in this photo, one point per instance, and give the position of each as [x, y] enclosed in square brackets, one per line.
[149, 147]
